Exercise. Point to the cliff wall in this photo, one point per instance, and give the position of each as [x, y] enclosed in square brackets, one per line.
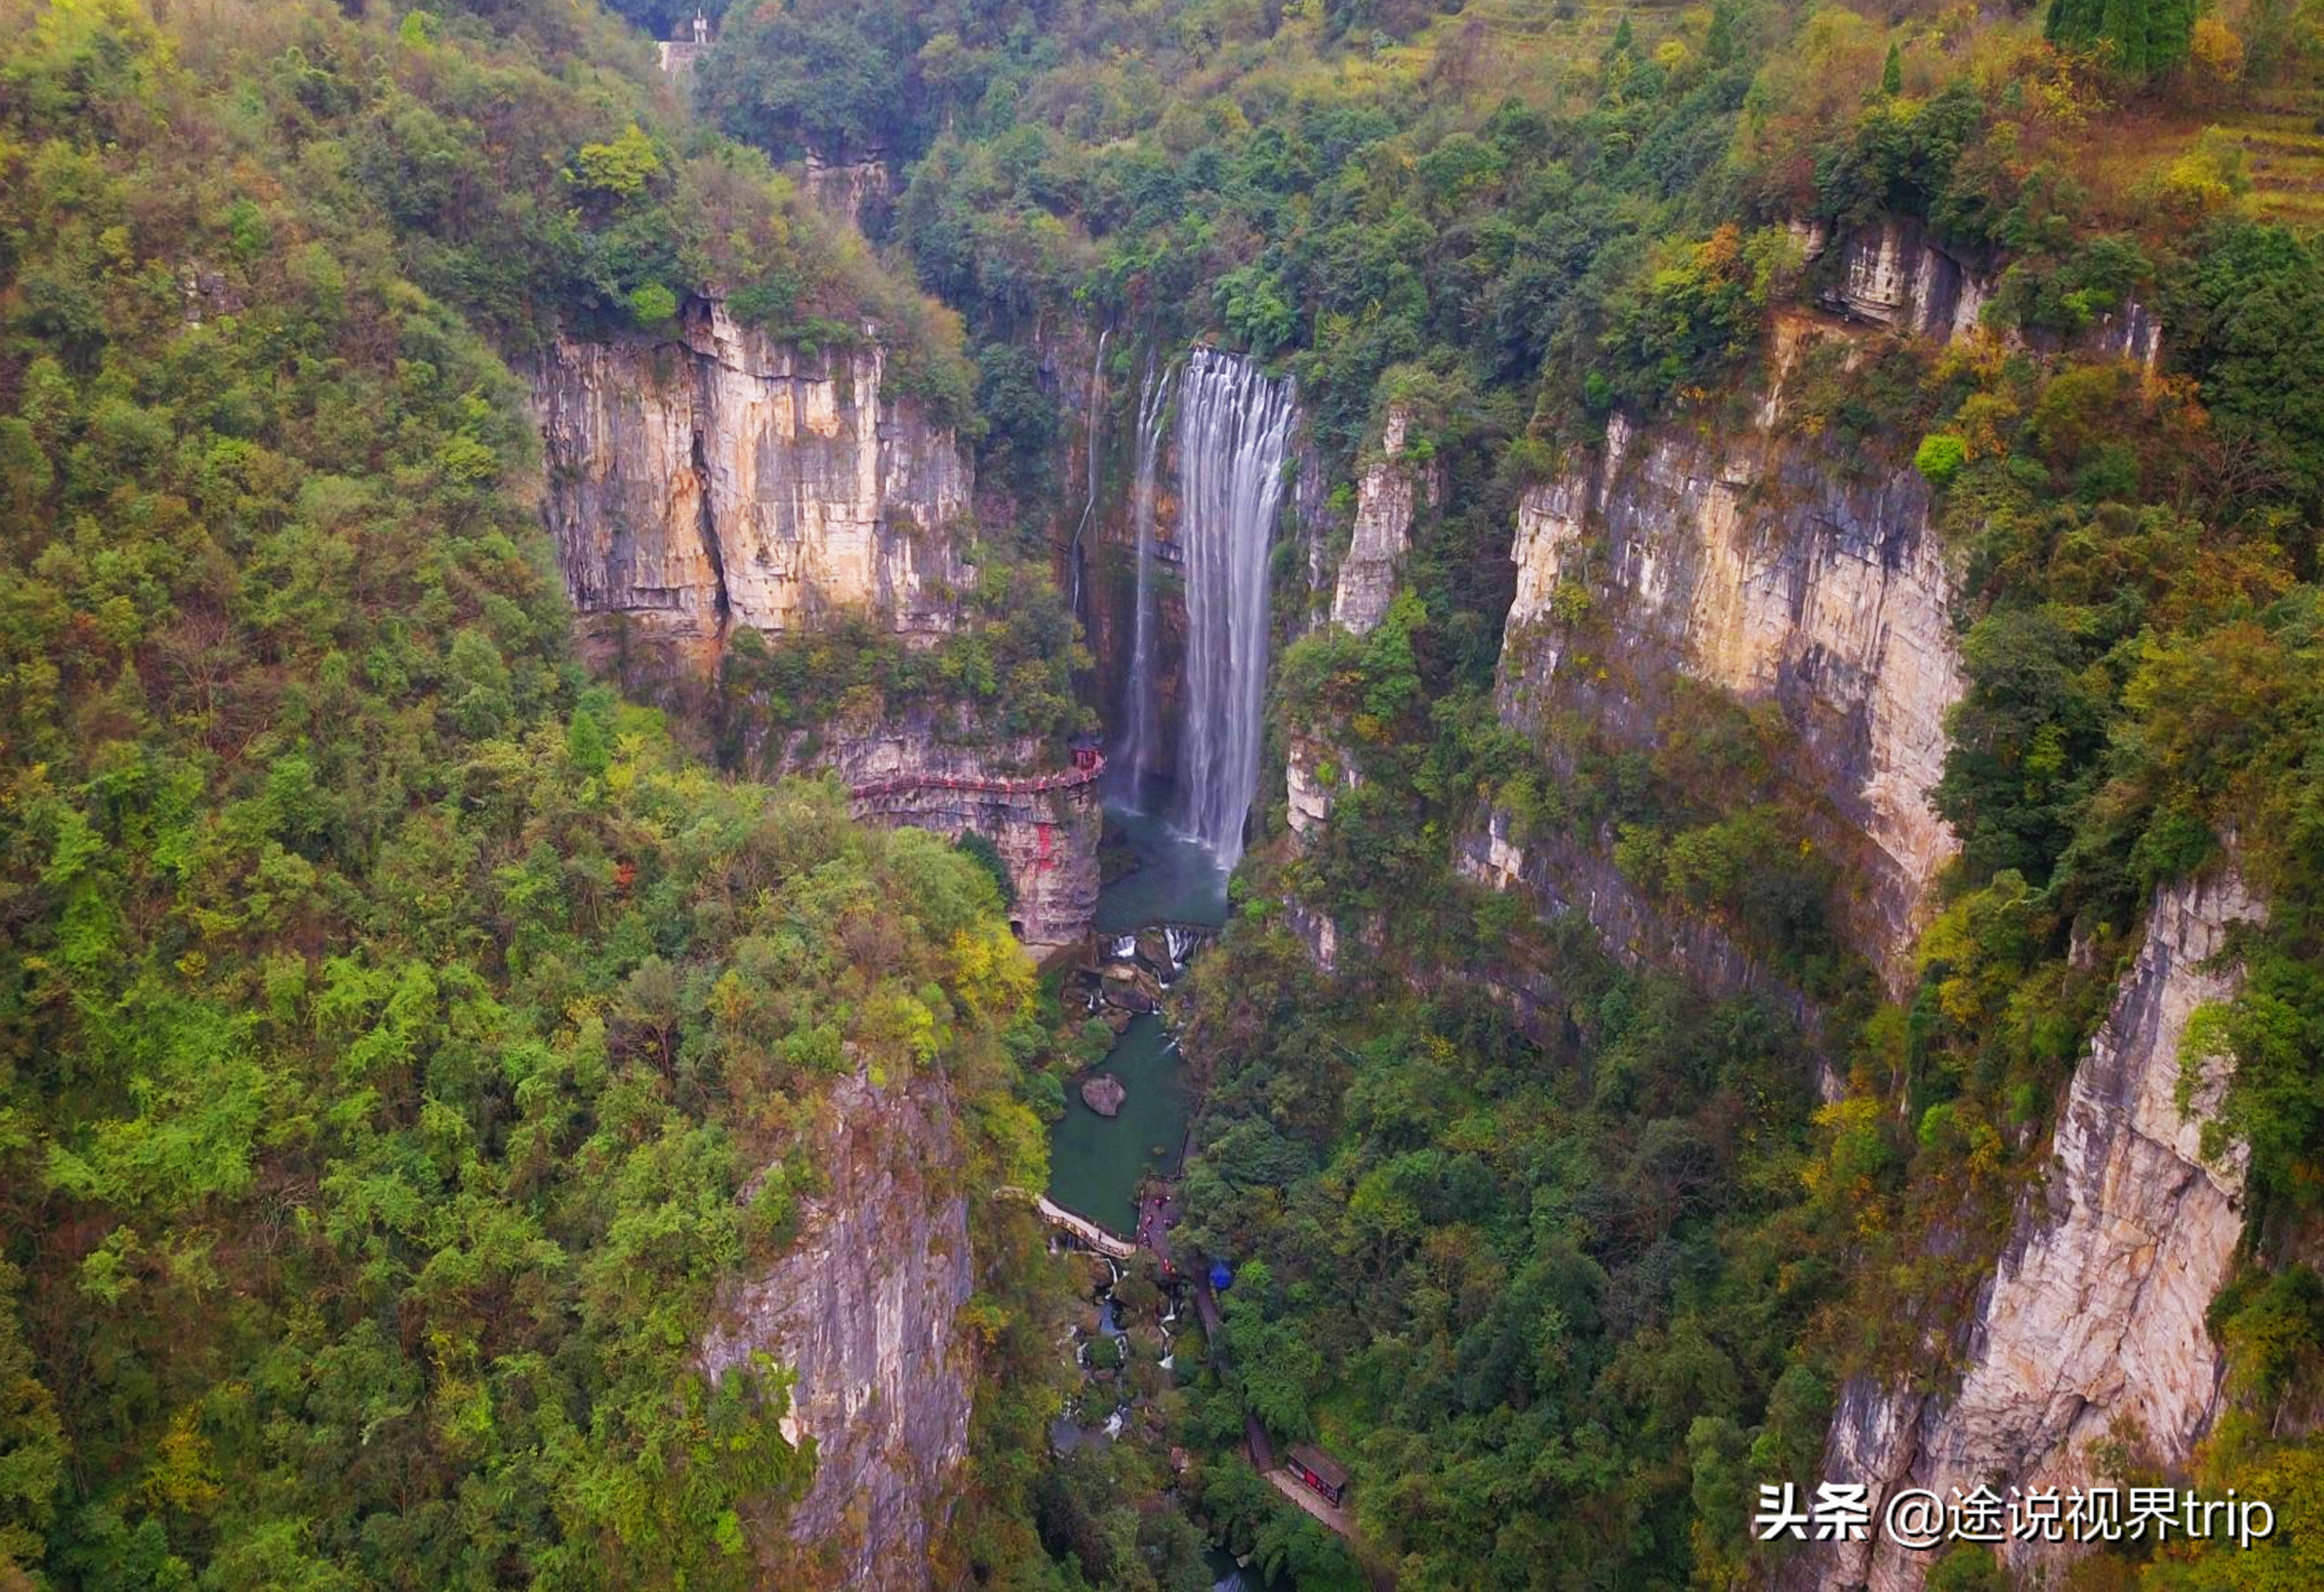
[1762, 564]
[1388, 492]
[1892, 273]
[2095, 1315]
[715, 477]
[927, 771]
[864, 1310]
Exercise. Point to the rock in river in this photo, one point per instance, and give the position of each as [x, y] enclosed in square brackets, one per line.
[1103, 1094]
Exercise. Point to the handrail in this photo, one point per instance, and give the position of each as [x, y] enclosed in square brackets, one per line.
[1073, 1222]
[1036, 784]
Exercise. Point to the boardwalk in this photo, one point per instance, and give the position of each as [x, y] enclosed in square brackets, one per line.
[1081, 1227]
[1070, 1222]
[1031, 784]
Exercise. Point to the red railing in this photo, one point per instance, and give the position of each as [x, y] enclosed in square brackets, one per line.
[1030, 785]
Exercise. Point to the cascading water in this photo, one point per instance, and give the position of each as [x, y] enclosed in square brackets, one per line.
[1233, 425]
[1135, 756]
[1089, 505]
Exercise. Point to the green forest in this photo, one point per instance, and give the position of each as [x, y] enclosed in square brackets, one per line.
[405, 1037]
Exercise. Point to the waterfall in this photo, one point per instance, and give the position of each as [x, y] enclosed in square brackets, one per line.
[1182, 944]
[1233, 424]
[1089, 505]
[1135, 752]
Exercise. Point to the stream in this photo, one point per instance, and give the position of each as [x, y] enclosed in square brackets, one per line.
[1096, 1163]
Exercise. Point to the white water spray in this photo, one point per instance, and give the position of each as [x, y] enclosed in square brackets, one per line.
[1233, 427]
[1135, 753]
[1094, 426]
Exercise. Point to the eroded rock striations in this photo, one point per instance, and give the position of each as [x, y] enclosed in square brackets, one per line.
[932, 772]
[2094, 1316]
[1892, 273]
[1763, 565]
[864, 1308]
[1388, 493]
[714, 478]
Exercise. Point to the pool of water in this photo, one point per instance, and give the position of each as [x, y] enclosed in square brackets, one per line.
[1176, 881]
[1226, 1575]
[1096, 1163]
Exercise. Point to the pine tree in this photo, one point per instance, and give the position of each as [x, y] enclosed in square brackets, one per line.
[1891, 74]
[2148, 36]
[1719, 45]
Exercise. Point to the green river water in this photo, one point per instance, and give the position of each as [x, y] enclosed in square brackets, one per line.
[1096, 1163]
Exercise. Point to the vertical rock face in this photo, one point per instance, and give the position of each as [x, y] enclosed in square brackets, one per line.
[715, 478]
[2095, 1315]
[1891, 273]
[862, 1310]
[1385, 497]
[857, 189]
[920, 772]
[1566, 878]
[1312, 778]
[1754, 563]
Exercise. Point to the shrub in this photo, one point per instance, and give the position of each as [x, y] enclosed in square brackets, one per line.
[1940, 458]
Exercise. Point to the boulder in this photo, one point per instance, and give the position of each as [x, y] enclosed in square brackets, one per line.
[1103, 1094]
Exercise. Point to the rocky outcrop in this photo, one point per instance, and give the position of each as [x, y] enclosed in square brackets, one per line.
[863, 1310]
[1892, 273]
[714, 478]
[1316, 931]
[1387, 495]
[857, 189]
[1763, 565]
[2094, 1317]
[924, 771]
[1563, 876]
[1314, 776]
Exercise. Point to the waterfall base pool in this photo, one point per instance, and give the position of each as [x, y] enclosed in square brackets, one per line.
[1178, 880]
[1096, 1163]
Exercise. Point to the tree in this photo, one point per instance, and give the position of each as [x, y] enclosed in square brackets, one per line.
[2147, 36]
[1891, 74]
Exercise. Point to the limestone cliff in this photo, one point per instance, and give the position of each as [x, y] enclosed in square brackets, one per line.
[1313, 776]
[2094, 1315]
[1892, 273]
[864, 1310]
[1563, 876]
[713, 477]
[926, 772]
[1760, 562]
[1388, 493]
[856, 188]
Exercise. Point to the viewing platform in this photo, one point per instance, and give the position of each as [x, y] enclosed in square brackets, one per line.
[1075, 1223]
[1085, 772]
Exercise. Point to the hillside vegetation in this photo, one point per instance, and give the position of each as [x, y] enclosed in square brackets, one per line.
[1562, 1304]
[390, 1019]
